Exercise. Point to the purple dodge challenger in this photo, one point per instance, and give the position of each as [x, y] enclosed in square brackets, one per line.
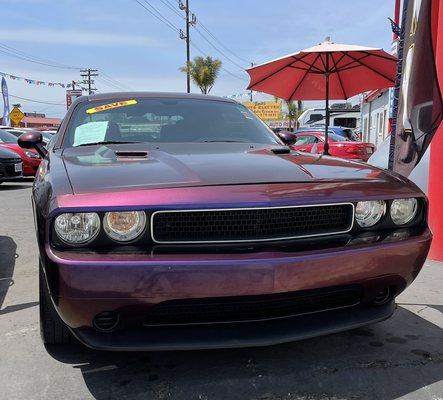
[172, 221]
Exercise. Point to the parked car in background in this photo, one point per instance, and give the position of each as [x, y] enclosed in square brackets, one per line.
[313, 142]
[177, 221]
[30, 158]
[11, 166]
[347, 133]
[419, 175]
[17, 132]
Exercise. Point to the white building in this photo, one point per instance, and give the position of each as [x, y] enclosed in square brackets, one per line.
[376, 114]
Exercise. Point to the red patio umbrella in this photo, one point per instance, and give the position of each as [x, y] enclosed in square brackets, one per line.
[326, 71]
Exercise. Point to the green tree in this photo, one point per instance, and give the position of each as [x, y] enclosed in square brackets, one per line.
[292, 112]
[203, 72]
[294, 109]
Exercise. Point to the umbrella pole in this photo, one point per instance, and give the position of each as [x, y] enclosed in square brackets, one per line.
[326, 146]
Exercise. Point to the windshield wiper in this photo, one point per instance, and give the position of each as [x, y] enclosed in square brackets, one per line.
[105, 142]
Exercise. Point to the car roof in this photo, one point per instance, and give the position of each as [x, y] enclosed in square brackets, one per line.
[151, 95]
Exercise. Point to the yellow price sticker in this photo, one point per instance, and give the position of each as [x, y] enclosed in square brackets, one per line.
[110, 106]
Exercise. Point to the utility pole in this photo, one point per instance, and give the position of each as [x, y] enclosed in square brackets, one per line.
[87, 75]
[191, 20]
[250, 92]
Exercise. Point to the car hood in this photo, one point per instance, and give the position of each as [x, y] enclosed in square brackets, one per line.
[136, 166]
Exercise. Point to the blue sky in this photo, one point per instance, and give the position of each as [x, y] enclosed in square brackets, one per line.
[130, 46]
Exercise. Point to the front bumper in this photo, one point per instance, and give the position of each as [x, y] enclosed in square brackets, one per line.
[251, 334]
[8, 172]
[84, 285]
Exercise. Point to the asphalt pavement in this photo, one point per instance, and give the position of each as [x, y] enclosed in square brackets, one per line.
[401, 358]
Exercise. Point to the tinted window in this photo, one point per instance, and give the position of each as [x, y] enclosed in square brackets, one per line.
[348, 122]
[315, 118]
[333, 137]
[165, 120]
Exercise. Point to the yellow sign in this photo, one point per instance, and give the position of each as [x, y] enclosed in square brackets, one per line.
[266, 110]
[16, 116]
[110, 106]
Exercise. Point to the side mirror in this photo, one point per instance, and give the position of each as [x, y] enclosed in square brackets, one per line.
[288, 138]
[32, 140]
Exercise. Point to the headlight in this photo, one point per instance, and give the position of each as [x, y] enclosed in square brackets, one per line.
[124, 226]
[77, 228]
[368, 213]
[31, 154]
[403, 210]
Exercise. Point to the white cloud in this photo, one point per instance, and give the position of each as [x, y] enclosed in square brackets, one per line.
[96, 39]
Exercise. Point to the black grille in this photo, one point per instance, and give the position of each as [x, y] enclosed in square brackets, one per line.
[9, 167]
[252, 308]
[250, 224]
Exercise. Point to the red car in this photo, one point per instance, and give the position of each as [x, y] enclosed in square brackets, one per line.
[31, 159]
[313, 142]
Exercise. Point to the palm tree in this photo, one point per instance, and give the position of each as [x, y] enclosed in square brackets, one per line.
[292, 112]
[203, 72]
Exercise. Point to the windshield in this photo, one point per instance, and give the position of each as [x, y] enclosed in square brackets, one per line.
[6, 137]
[165, 121]
[333, 137]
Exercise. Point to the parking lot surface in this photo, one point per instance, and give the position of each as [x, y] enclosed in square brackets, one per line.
[401, 358]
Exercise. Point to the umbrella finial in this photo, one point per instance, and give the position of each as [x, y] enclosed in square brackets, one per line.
[327, 39]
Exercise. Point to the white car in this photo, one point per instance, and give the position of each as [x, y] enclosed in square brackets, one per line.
[420, 173]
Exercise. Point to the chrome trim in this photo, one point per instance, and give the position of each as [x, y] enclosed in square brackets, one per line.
[250, 240]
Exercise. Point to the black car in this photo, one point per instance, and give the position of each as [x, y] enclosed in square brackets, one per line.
[11, 166]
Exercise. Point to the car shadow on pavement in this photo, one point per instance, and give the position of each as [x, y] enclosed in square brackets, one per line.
[383, 361]
[12, 186]
[8, 255]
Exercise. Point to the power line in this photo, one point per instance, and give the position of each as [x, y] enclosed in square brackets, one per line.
[221, 44]
[109, 84]
[157, 14]
[37, 101]
[220, 51]
[171, 7]
[11, 51]
[113, 84]
[115, 81]
[222, 68]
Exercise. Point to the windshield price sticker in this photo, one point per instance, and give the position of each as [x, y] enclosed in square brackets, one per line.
[90, 132]
[110, 106]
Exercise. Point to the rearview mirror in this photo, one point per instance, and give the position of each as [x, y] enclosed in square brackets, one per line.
[288, 138]
[32, 140]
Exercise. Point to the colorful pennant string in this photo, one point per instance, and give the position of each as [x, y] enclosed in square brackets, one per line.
[34, 81]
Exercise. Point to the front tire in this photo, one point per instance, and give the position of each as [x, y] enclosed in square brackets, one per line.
[52, 329]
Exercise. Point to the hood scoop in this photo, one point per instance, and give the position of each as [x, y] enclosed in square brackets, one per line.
[131, 154]
[281, 150]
